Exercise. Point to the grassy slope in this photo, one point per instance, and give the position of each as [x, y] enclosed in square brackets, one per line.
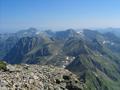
[98, 71]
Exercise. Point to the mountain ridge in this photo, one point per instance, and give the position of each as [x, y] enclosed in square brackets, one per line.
[91, 55]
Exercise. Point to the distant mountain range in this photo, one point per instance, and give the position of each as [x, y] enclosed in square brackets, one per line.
[92, 55]
[116, 31]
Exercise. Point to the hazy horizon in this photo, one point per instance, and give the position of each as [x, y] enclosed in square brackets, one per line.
[63, 14]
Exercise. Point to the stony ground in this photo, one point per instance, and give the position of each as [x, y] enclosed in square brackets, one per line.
[36, 77]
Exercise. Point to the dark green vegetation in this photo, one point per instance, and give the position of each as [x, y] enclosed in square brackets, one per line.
[2, 65]
[93, 56]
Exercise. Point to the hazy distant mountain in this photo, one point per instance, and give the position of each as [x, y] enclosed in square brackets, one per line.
[116, 31]
[8, 40]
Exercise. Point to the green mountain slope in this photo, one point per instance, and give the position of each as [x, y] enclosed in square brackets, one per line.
[93, 56]
[99, 67]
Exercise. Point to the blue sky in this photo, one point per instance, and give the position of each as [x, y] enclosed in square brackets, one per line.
[59, 14]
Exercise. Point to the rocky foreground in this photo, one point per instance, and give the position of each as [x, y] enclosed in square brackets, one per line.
[36, 77]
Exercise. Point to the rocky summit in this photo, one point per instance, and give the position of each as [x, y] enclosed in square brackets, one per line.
[37, 77]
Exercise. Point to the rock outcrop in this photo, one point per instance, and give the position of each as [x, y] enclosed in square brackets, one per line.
[37, 77]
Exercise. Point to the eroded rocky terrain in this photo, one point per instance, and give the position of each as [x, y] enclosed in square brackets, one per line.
[37, 77]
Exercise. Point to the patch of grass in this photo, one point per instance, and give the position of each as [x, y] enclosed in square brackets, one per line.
[2, 65]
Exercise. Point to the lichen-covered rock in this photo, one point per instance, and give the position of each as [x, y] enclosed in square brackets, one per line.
[37, 77]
